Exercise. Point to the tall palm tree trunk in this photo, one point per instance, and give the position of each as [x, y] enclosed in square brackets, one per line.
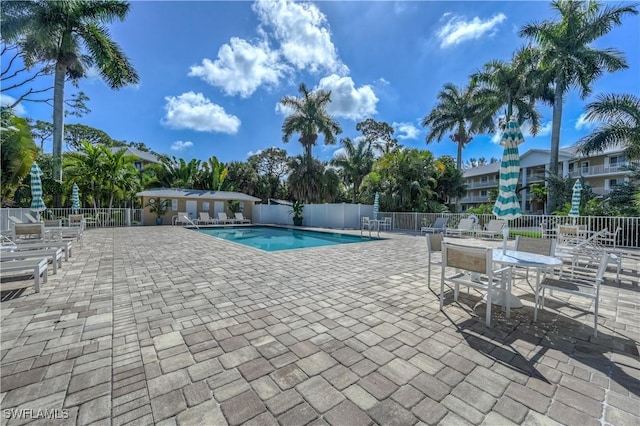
[58, 127]
[555, 143]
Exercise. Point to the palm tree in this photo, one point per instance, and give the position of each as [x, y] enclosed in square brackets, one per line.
[462, 111]
[305, 179]
[86, 166]
[17, 152]
[120, 173]
[54, 32]
[568, 59]
[355, 163]
[517, 85]
[309, 117]
[621, 117]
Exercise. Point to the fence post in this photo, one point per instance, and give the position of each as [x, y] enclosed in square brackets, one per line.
[415, 222]
[128, 217]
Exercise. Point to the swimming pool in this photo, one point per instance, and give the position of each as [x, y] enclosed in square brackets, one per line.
[274, 239]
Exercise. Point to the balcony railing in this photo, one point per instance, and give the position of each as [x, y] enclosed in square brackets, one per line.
[602, 170]
[485, 184]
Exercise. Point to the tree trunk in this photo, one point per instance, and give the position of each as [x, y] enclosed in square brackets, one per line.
[555, 143]
[459, 166]
[58, 128]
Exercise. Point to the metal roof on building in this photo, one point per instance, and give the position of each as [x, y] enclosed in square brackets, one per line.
[197, 194]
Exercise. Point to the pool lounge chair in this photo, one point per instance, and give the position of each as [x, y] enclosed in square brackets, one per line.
[464, 227]
[37, 267]
[222, 217]
[205, 219]
[491, 229]
[182, 218]
[436, 227]
[28, 232]
[241, 219]
[54, 255]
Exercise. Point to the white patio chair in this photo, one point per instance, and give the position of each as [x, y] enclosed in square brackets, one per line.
[385, 225]
[222, 217]
[205, 219]
[182, 218]
[434, 245]
[465, 227]
[543, 246]
[439, 225]
[583, 283]
[474, 269]
[241, 219]
[492, 229]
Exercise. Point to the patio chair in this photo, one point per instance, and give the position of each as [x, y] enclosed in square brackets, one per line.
[222, 217]
[15, 219]
[544, 246]
[584, 284]
[609, 239]
[182, 218]
[438, 226]
[241, 219]
[568, 235]
[28, 232]
[386, 224]
[434, 245]
[474, 269]
[464, 227]
[492, 229]
[205, 219]
[77, 220]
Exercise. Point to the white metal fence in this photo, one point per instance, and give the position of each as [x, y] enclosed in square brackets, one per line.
[348, 216]
[99, 218]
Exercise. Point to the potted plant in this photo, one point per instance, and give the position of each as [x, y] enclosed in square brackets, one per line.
[296, 210]
[159, 207]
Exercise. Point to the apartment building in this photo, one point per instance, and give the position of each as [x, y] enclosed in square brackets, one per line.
[602, 172]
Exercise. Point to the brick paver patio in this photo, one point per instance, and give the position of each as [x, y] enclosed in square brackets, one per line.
[168, 326]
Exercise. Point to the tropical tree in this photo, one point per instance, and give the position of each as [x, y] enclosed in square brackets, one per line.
[120, 174]
[305, 181]
[213, 175]
[177, 173]
[354, 163]
[568, 59]
[515, 85]
[450, 180]
[53, 32]
[461, 111]
[17, 151]
[477, 162]
[379, 134]
[620, 117]
[309, 117]
[241, 177]
[86, 168]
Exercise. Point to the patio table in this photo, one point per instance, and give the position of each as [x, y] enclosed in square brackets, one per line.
[526, 260]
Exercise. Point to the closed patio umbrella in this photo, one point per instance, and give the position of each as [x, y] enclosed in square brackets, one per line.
[37, 203]
[575, 199]
[507, 205]
[75, 198]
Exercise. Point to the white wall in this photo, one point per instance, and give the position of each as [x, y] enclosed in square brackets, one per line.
[337, 216]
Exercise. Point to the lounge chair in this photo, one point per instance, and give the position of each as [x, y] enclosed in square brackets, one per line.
[464, 227]
[15, 219]
[66, 246]
[30, 218]
[492, 229]
[37, 267]
[54, 255]
[28, 232]
[205, 219]
[438, 226]
[222, 217]
[182, 218]
[241, 219]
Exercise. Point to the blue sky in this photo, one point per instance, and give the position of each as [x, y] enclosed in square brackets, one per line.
[212, 73]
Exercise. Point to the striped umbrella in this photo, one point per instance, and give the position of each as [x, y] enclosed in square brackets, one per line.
[37, 203]
[75, 198]
[575, 199]
[507, 205]
[376, 206]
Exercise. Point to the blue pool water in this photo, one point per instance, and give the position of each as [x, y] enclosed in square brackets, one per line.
[275, 239]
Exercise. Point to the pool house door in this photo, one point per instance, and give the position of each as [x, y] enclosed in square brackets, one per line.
[218, 207]
[192, 209]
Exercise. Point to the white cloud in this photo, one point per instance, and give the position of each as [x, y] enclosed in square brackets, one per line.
[347, 101]
[181, 146]
[582, 124]
[407, 130]
[305, 40]
[241, 67]
[193, 111]
[340, 152]
[250, 153]
[6, 100]
[457, 29]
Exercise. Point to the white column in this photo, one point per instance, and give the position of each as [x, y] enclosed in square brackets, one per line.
[565, 168]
